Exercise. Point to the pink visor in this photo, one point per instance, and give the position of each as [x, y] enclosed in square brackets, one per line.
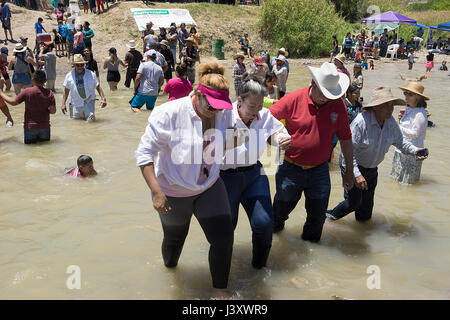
[218, 99]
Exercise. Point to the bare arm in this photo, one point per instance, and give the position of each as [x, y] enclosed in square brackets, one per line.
[52, 109]
[161, 81]
[5, 111]
[105, 64]
[8, 99]
[160, 202]
[137, 82]
[64, 99]
[122, 63]
[102, 95]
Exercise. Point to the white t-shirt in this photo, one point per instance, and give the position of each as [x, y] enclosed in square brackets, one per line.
[151, 73]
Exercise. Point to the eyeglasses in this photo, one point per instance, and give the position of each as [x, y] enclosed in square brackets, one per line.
[407, 93]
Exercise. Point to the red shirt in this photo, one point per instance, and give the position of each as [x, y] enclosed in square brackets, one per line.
[37, 100]
[311, 128]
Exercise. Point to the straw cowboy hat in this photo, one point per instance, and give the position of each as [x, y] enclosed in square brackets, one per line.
[165, 43]
[19, 48]
[238, 55]
[382, 95]
[78, 59]
[341, 58]
[283, 51]
[416, 88]
[332, 83]
[281, 58]
[132, 44]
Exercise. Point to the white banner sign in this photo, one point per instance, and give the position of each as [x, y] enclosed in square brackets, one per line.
[161, 17]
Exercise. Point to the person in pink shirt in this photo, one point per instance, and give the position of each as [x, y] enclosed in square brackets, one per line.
[78, 40]
[84, 168]
[178, 87]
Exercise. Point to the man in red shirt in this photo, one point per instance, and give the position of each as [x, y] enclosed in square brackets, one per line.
[39, 104]
[313, 115]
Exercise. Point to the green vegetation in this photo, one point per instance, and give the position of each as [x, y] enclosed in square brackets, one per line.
[438, 5]
[303, 27]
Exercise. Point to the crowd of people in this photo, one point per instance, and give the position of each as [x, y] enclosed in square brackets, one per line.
[199, 153]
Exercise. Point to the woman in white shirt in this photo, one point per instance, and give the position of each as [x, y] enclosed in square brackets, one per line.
[242, 173]
[413, 124]
[187, 137]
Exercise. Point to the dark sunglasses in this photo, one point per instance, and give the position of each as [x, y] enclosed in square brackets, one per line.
[209, 106]
[407, 93]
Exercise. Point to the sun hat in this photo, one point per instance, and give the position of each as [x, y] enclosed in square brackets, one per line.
[258, 61]
[78, 59]
[281, 58]
[218, 99]
[4, 51]
[238, 55]
[340, 57]
[165, 43]
[132, 44]
[416, 88]
[332, 83]
[284, 52]
[381, 95]
[19, 47]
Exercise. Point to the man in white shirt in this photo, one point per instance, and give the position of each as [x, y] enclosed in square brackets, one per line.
[81, 84]
[149, 79]
[281, 72]
[373, 132]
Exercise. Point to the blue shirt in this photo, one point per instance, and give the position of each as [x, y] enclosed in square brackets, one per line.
[70, 36]
[6, 13]
[62, 31]
[39, 27]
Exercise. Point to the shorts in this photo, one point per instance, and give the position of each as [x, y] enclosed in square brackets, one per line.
[6, 25]
[347, 50]
[50, 84]
[335, 51]
[5, 76]
[57, 40]
[86, 112]
[113, 76]
[21, 78]
[36, 135]
[140, 99]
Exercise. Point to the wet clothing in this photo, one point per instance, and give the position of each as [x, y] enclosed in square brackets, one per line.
[133, 58]
[37, 101]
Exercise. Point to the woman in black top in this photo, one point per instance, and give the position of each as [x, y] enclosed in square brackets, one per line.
[92, 64]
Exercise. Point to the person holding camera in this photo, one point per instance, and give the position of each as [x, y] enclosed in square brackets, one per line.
[373, 132]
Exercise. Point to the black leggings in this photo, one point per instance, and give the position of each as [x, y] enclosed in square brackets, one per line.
[212, 210]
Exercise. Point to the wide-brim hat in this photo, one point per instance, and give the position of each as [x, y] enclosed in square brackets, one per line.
[19, 48]
[165, 43]
[238, 55]
[332, 84]
[382, 95]
[284, 52]
[281, 58]
[78, 59]
[131, 44]
[416, 88]
[341, 58]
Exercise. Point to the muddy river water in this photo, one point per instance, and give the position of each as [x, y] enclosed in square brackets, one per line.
[108, 228]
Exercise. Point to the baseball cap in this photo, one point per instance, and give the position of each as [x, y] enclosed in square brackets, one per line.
[258, 61]
[151, 52]
[4, 50]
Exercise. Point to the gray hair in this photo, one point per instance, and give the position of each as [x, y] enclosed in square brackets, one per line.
[251, 84]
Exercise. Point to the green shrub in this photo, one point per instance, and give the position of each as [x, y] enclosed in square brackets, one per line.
[303, 27]
[438, 5]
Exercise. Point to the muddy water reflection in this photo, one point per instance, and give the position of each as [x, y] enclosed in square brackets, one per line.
[107, 225]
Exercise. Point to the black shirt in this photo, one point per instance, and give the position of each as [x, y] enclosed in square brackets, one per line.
[92, 65]
[133, 58]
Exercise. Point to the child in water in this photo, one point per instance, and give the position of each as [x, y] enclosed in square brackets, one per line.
[84, 168]
[372, 66]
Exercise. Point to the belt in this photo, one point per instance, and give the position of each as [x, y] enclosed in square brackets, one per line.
[298, 165]
[239, 169]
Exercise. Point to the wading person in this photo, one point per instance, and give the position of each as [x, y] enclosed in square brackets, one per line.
[39, 104]
[242, 173]
[111, 64]
[81, 83]
[280, 71]
[20, 63]
[181, 187]
[373, 132]
[133, 59]
[413, 125]
[238, 71]
[179, 86]
[313, 116]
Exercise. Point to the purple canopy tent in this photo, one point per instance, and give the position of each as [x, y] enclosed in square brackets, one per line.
[389, 16]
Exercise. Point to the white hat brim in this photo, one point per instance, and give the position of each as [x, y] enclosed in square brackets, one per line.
[331, 94]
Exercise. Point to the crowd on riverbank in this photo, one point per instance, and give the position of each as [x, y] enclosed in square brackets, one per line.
[199, 119]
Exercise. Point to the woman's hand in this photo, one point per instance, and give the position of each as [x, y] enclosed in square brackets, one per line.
[361, 183]
[160, 203]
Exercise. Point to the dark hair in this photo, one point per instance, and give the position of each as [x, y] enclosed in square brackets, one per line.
[334, 36]
[113, 50]
[181, 71]
[251, 84]
[352, 88]
[183, 24]
[193, 28]
[270, 76]
[39, 76]
[40, 19]
[83, 160]
[87, 23]
[421, 103]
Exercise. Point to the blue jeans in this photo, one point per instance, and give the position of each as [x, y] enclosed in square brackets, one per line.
[251, 189]
[36, 135]
[291, 181]
[360, 201]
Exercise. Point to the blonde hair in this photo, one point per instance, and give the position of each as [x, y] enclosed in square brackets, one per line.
[211, 76]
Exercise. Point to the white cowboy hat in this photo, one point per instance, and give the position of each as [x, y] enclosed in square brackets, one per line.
[132, 44]
[332, 83]
[281, 58]
[285, 53]
[19, 48]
